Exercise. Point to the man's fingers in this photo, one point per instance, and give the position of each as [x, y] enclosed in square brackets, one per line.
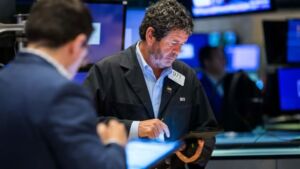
[102, 132]
[153, 128]
[166, 130]
[101, 128]
[112, 123]
[155, 131]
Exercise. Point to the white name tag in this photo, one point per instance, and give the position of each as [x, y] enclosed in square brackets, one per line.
[177, 77]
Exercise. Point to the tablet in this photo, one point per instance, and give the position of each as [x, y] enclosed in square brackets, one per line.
[203, 134]
[142, 154]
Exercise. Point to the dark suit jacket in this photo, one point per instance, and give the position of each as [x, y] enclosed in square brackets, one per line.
[120, 90]
[48, 122]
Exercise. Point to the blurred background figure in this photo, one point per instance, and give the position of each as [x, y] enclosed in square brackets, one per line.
[234, 97]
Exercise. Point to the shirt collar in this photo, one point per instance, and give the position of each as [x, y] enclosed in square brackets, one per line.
[213, 79]
[50, 60]
[140, 57]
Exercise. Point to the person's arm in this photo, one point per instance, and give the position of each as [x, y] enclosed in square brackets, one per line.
[96, 83]
[69, 128]
[134, 130]
[148, 128]
[112, 132]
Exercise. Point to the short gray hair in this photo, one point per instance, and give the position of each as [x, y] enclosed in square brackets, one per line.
[165, 16]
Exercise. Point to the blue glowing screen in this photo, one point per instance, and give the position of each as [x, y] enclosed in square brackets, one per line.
[202, 8]
[242, 57]
[189, 51]
[293, 41]
[107, 38]
[289, 88]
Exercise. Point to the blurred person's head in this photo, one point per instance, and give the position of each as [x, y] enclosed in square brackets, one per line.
[212, 60]
[165, 28]
[61, 28]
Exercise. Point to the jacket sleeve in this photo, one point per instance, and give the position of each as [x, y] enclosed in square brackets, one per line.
[70, 130]
[95, 84]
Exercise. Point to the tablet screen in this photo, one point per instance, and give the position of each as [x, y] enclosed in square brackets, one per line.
[142, 154]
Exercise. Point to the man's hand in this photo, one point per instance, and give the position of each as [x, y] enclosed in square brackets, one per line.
[113, 132]
[152, 128]
[193, 158]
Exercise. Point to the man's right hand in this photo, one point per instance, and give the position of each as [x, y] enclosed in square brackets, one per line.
[152, 128]
[113, 132]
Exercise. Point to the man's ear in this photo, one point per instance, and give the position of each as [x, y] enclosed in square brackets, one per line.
[150, 39]
[80, 42]
[77, 45]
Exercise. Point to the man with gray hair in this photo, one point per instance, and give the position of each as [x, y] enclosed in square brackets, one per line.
[152, 93]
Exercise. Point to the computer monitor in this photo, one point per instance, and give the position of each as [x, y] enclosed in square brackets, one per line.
[208, 8]
[190, 50]
[109, 26]
[293, 41]
[242, 57]
[275, 36]
[271, 96]
[108, 35]
[134, 17]
[289, 89]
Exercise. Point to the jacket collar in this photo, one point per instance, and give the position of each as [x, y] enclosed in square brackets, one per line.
[47, 58]
[135, 78]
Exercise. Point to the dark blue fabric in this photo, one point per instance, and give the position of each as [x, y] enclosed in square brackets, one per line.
[48, 122]
[215, 99]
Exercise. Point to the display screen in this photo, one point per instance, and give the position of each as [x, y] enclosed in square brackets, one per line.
[142, 154]
[293, 41]
[289, 89]
[275, 36]
[205, 8]
[242, 57]
[190, 50]
[134, 19]
[108, 23]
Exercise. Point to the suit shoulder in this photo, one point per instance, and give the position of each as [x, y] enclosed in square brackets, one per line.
[115, 60]
[112, 59]
[49, 79]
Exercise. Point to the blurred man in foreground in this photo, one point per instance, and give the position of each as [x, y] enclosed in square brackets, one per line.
[46, 120]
